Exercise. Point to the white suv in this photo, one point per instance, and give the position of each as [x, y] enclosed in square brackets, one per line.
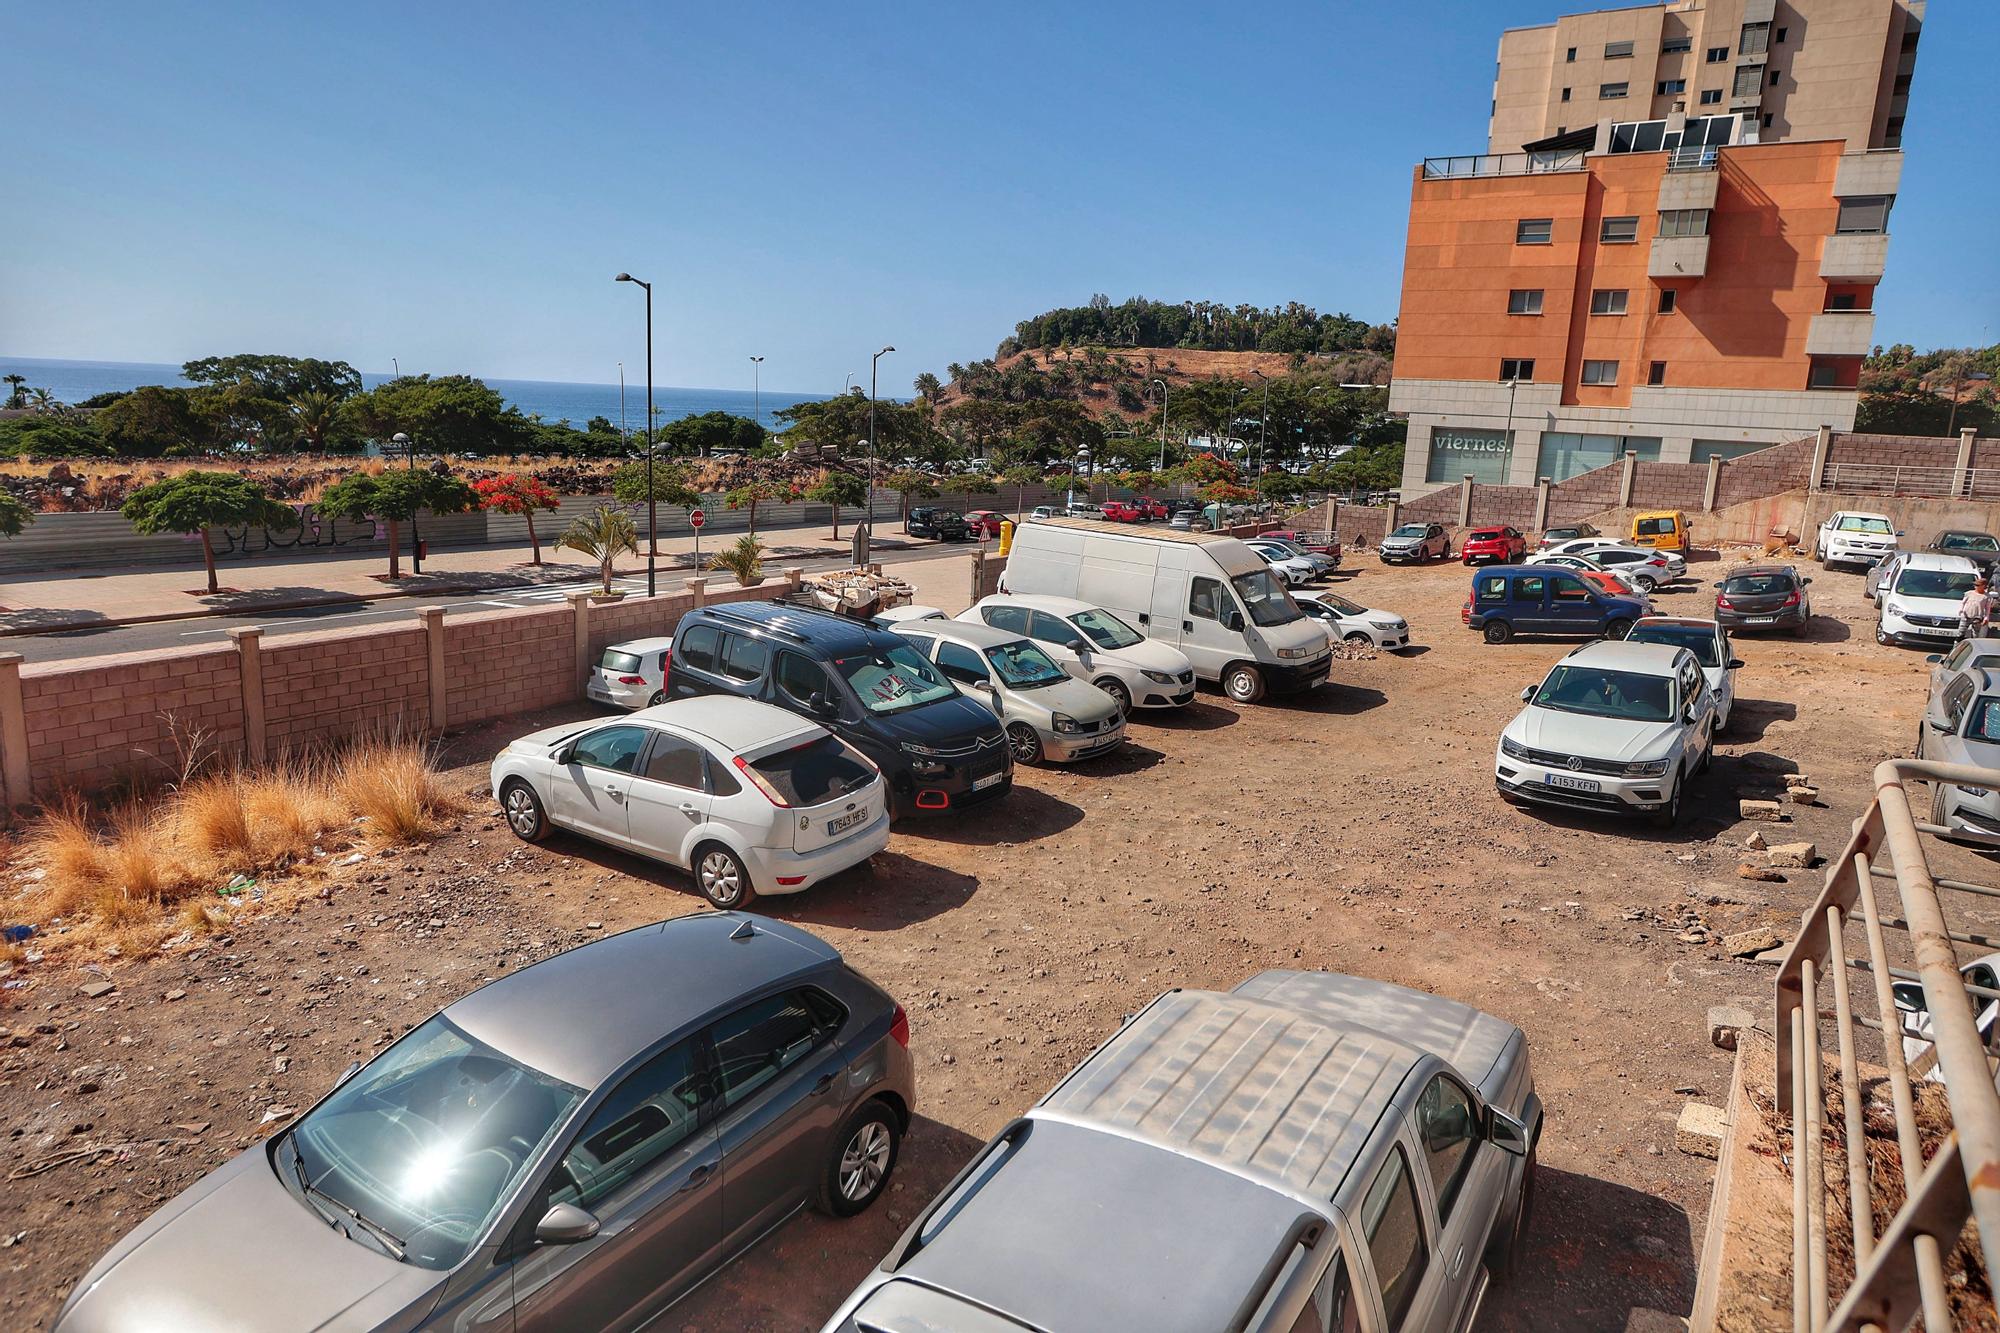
[1850, 537]
[1921, 603]
[1616, 727]
[751, 798]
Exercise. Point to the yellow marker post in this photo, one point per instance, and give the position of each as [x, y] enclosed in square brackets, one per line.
[1006, 535]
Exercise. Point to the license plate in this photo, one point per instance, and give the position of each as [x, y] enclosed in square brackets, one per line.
[1760, 620]
[1570, 783]
[981, 784]
[846, 821]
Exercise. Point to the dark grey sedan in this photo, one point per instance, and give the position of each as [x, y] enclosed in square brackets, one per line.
[548, 1153]
[1761, 597]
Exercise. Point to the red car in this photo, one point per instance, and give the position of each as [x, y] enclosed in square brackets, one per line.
[983, 523]
[1120, 511]
[1502, 545]
[1150, 510]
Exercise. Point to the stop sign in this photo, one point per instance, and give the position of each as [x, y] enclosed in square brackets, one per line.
[696, 518]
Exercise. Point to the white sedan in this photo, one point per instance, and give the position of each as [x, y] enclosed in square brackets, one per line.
[750, 798]
[1709, 642]
[1354, 623]
[1294, 570]
[1092, 644]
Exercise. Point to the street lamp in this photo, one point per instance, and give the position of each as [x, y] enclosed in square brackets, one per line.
[1083, 466]
[1965, 377]
[624, 440]
[1163, 424]
[1263, 419]
[757, 386]
[416, 538]
[652, 511]
[848, 387]
[1507, 439]
[872, 361]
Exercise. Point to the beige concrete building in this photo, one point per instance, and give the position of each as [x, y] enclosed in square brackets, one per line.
[1791, 69]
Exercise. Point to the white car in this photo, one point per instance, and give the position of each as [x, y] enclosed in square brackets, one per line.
[1850, 537]
[1676, 563]
[1709, 642]
[1921, 606]
[1617, 727]
[1082, 510]
[1353, 623]
[1919, 1048]
[749, 797]
[1040, 512]
[1090, 643]
[1049, 716]
[896, 615]
[1319, 560]
[632, 674]
[1648, 568]
[1294, 570]
[1626, 578]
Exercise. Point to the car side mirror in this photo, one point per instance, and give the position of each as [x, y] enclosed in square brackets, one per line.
[1076, 646]
[1717, 584]
[561, 756]
[1527, 693]
[1804, 581]
[820, 705]
[1909, 997]
[1899, 532]
[1934, 658]
[565, 1224]
[1234, 620]
[1505, 1132]
[1735, 662]
[986, 685]
[1937, 726]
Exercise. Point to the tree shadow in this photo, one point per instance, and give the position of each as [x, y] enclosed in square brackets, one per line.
[1023, 815]
[1749, 719]
[1596, 1255]
[54, 620]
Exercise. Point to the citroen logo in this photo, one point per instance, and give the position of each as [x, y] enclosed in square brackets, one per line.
[1575, 764]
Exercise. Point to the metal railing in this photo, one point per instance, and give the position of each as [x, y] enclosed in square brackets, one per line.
[1694, 157]
[1899, 1274]
[1503, 164]
[1892, 479]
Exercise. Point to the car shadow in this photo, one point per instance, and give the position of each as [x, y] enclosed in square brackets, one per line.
[1820, 629]
[1023, 815]
[889, 892]
[54, 621]
[1749, 719]
[1410, 650]
[1197, 716]
[1333, 698]
[1127, 758]
[1596, 1255]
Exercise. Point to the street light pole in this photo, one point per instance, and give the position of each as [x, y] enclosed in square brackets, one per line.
[1163, 424]
[416, 537]
[652, 510]
[848, 387]
[1508, 438]
[757, 386]
[1263, 419]
[872, 361]
[624, 440]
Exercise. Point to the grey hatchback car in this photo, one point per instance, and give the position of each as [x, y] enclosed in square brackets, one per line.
[547, 1153]
[1309, 1151]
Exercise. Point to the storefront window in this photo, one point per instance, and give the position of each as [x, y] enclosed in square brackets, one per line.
[1483, 454]
[1565, 454]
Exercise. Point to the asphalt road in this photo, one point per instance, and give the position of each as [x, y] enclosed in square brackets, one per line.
[207, 631]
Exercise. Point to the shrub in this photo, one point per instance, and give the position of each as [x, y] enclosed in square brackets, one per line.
[744, 558]
[392, 786]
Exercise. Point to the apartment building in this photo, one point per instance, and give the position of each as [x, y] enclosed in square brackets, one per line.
[1670, 283]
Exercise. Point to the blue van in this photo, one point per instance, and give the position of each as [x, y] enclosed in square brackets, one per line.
[1545, 599]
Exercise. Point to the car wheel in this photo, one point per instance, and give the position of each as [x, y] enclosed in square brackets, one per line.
[1497, 631]
[1244, 684]
[722, 877]
[1025, 745]
[1669, 814]
[863, 1157]
[1358, 640]
[1119, 694]
[1882, 635]
[1617, 629]
[1707, 755]
[659, 697]
[524, 811]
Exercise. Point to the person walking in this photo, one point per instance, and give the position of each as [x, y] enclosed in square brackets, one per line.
[1975, 611]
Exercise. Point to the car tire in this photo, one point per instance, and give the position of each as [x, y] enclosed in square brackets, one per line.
[659, 697]
[1882, 636]
[1497, 631]
[860, 1161]
[1024, 744]
[1669, 814]
[1358, 640]
[523, 810]
[1119, 694]
[721, 877]
[1618, 628]
[1707, 755]
[1244, 684]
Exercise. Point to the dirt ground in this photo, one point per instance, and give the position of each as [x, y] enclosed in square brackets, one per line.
[1356, 830]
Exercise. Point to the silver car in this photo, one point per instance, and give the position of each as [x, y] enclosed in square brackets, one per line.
[1961, 725]
[632, 674]
[547, 1153]
[1309, 1150]
[1048, 715]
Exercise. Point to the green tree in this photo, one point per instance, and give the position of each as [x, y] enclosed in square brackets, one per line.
[279, 378]
[910, 484]
[149, 422]
[670, 485]
[753, 493]
[72, 436]
[318, 416]
[1020, 478]
[928, 387]
[712, 433]
[15, 383]
[396, 496]
[452, 414]
[196, 501]
[837, 489]
[602, 535]
[14, 515]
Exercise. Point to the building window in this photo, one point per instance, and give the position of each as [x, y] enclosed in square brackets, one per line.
[1684, 222]
[1607, 301]
[1565, 454]
[1571, 57]
[1767, 120]
[1672, 44]
[1673, 86]
[1902, 87]
[1533, 231]
[1667, 298]
[1619, 231]
[1822, 374]
[1600, 372]
[1756, 39]
[1910, 41]
[1656, 373]
[1864, 215]
[1607, 91]
[1892, 132]
[1749, 80]
[1778, 38]
[1456, 452]
[1617, 50]
[1523, 301]
[1840, 301]
[1717, 54]
[1710, 96]
[1565, 96]
[1774, 78]
[1511, 369]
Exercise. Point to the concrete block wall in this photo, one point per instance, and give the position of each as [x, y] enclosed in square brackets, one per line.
[343, 684]
[503, 663]
[1767, 472]
[1895, 450]
[123, 719]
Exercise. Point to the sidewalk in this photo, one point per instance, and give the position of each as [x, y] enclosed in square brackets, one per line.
[71, 600]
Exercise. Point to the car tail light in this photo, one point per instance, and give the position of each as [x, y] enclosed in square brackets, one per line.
[631, 680]
[1723, 603]
[1465, 612]
[1793, 600]
[789, 880]
[763, 783]
[899, 1028]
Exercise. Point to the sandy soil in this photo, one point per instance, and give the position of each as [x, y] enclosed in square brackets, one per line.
[1355, 830]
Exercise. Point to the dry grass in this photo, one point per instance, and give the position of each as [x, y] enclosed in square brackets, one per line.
[394, 788]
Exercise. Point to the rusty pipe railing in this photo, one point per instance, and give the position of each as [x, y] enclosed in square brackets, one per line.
[1899, 1275]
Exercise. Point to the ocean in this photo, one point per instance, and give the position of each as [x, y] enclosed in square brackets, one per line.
[73, 381]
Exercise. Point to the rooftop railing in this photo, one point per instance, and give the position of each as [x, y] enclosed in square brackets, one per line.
[1503, 164]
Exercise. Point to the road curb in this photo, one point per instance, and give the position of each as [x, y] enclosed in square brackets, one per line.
[262, 608]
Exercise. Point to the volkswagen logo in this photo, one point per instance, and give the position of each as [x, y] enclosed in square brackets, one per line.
[1575, 764]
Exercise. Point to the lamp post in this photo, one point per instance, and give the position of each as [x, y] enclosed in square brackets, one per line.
[1964, 378]
[872, 362]
[416, 537]
[1507, 439]
[652, 510]
[624, 440]
[1082, 466]
[848, 387]
[1263, 418]
[757, 386]
[1163, 424]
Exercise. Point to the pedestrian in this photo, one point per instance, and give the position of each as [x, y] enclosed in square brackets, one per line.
[1975, 611]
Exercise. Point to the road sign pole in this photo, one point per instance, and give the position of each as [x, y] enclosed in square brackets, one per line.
[697, 520]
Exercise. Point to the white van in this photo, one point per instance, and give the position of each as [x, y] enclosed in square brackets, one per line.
[1208, 595]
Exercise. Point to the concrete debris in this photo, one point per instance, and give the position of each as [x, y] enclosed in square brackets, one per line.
[1749, 871]
[1699, 1130]
[1792, 855]
[1725, 1022]
[1768, 812]
[1755, 940]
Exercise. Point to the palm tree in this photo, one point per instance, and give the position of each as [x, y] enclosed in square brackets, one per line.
[315, 412]
[603, 535]
[44, 400]
[14, 383]
[927, 387]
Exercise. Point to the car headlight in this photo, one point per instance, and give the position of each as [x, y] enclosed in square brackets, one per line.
[1893, 608]
[1512, 748]
[1066, 724]
[1296, 652]
[911, 747]
[1387, 625]
[1652, 768]
[1159, 677]
[1975, 791]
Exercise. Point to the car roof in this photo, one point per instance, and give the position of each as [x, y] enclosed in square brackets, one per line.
[976, 633]
[646, 645]
[1951, 564]
[822, 629]
[1036, 601]
[1762, 567]
[1679, 622]
[1653, 659]
[586, 1013]
[731, 722]
[1483, 532]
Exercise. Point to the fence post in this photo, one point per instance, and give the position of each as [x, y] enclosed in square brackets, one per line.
[1816, 479]
[1541, 503]
[433, 618]
[1391, 512]
[579, 611]
[978, 577]
[1961, 480]
[13, 733]
[250, 664]
[697, 592]
[794, 575]
[1626, 478]
[1714, 487]
[1465, 500]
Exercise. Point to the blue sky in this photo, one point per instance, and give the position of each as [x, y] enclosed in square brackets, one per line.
[455, 185]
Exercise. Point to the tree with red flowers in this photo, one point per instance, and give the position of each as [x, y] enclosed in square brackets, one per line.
[513, 493]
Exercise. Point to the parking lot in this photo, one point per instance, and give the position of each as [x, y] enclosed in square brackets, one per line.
[1354, 829]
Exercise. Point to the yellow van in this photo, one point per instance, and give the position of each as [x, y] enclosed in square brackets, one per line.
[1666, 530]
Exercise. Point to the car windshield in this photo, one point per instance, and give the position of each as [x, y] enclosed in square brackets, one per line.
[1984, 722]
[425, 1143]
[1341, 604]
[1601, 693]
[1967, 541]
[1409, 530]
[1757, 585]
[1697, 639]
[1934, 583]
[1023, 666]
[1860, 523]
[1266, 598]
[893, 680]
[822, 769]
[1106, 630]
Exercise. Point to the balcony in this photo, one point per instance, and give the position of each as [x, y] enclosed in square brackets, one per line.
[1878, 171]
[1854, 258]
[1685, 188]
[1678, 257]
[1841, 333]
[1482, 165]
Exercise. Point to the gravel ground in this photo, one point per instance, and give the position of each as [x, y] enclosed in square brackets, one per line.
[1356, 830]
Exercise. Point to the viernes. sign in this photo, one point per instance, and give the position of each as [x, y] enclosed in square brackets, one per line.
[1471, 442]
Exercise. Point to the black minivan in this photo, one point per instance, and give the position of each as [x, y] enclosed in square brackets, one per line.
[938, 749]
[946, 525]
